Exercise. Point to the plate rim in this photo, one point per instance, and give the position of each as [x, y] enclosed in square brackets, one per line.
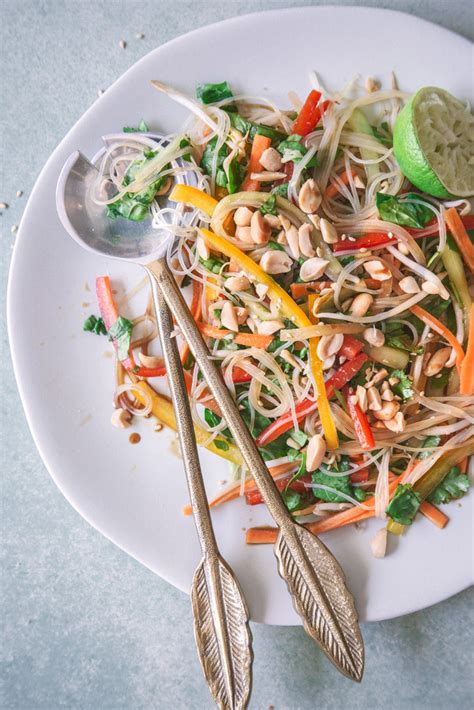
[21, 236]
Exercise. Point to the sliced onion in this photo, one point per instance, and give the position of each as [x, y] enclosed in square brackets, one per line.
[141, 411]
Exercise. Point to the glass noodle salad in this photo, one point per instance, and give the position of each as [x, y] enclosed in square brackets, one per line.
[327, 252]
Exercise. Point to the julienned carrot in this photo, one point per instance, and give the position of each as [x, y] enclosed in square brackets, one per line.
[259, 536]
[434, 323]
[259, 145]
[460, 236]
[248, 339]
[467, 367]
[300, 290]
[333, 190]
[433, 514]
[234, 492]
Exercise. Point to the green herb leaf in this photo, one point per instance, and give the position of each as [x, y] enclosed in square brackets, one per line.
[94, 325]
[452, 487]
[221, 444]
[248, 127]
[404, 388]
[236, 176]
[429, 443]
[408, 214]
[211, 93]
[292, 150]
[292, 499]
[269, 206]
[281, 190]
[339, 483]
[359, 494]
[121, 334]
[142, 128]
[403, 342]
[208, 155]
[382, 134]
[404, 505]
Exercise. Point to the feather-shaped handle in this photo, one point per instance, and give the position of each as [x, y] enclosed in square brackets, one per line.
[320, 596]
[314, 577]
[222, 633]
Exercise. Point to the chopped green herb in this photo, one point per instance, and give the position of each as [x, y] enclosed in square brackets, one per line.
[300, 472]
[292, 150]
[404, 505]
[404, 388]
[212, 93]
[403, 342]
[429, 443]
[338, 483]
[269, 206]
[292, 499]
[408, 214]
[248, 127]
[121, 334]
[298, 436]
[94, 325]
[452, 487]
[221, 444]
[281, 190]
[142, 128]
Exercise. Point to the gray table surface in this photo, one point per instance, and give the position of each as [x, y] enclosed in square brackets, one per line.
[85, 626]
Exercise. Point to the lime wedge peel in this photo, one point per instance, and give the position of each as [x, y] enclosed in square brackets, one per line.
[434, 144]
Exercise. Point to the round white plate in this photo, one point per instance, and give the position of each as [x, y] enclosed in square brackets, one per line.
[134, 494]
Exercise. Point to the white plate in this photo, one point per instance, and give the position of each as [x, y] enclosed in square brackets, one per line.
[134, 494]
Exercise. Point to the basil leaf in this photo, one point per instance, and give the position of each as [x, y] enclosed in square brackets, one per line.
[338, 483]
[453, 486]
[236, 176]
[404, 505]
[121, 334]
[281, 190]
[142, 128]
[211, 93]
[408, 214]
[208, 155]
[94, 325]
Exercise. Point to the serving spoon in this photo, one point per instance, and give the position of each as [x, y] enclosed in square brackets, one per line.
[313, 576]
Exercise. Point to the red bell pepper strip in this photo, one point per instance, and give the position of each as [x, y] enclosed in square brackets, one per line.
[368, 241]
[361, 476]
[310, 114]
[361, 423]
[254, 497]
[239, 376]
[350, 347]
[109, 313]
[345, 373]
[340, 378]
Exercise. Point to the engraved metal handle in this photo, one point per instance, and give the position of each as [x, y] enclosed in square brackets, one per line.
[221, 619]
[314, 578]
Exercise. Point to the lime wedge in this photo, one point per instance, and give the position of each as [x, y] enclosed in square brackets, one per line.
[433, 140]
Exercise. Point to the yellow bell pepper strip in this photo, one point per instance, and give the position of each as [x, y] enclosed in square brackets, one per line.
[162, 409]
[288, 309]
[434, 476]
[193, 196]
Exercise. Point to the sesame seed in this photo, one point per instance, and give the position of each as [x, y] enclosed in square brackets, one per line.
[122, 44]
[140, 35]
[3, 206]
[363, 250]
[14, 228]
[19, 193]
[100, 92]
[351, 239]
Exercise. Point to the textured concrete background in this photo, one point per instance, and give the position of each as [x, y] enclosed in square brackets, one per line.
[84, 626]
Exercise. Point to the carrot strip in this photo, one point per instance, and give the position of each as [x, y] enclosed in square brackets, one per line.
[433, 514]
[259, 145]
[467, 366]
[333, 190]
[233, 493]
[460, 236]
[434, 323]
[300, 290]
[248, 339]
